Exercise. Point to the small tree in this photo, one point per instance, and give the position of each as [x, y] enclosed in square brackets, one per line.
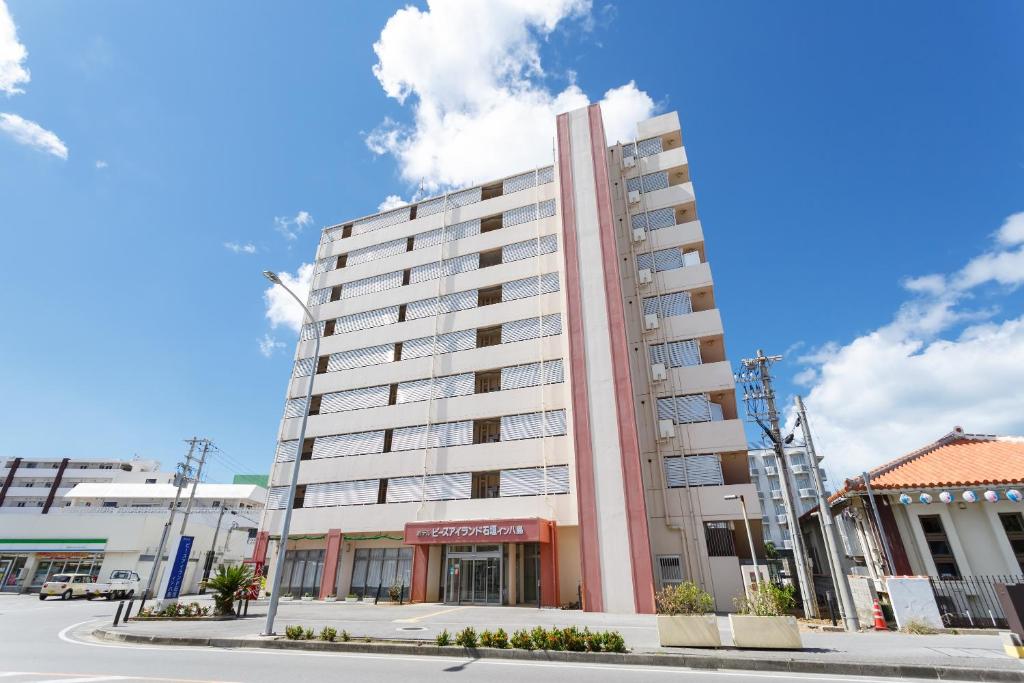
[766, 600]
[226, 585]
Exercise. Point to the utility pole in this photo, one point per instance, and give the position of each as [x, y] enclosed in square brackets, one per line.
[828, 527]
[760, 365]
[195, 484]
[183, 470]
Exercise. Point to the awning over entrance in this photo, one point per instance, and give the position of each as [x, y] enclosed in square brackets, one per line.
[524, 530]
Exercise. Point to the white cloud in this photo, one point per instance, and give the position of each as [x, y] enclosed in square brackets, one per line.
[474, 71]
[392, 201]
[291, 227]
[907, 383]
[12, 55]
[247, 248]
[269, 344]
[1012, 230]
[282, 309]
[30, 133]
[101, 164]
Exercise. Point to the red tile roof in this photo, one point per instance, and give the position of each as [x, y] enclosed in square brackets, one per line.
[957, 459]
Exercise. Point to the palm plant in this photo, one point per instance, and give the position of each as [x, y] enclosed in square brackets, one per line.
[226, 585]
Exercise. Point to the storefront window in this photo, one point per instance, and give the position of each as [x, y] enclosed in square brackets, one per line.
[302, 572]
[381, 568]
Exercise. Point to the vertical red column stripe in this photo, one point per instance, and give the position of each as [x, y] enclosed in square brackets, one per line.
[590, 558]
[629, 446]
[329, 578]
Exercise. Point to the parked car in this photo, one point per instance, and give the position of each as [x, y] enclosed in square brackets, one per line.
[67, 586]
[123, 583]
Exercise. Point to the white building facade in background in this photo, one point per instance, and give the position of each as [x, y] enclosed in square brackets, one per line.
[31, 482]
[765, 474]
[109, 523]
[522, 394]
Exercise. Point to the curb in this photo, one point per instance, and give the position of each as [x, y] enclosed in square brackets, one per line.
[707, 662]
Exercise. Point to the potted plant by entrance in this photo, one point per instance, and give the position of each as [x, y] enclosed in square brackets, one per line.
[686, 617]
[285, 596]
[351, 597]
[307, 597]
[763, 621]
[332, 598]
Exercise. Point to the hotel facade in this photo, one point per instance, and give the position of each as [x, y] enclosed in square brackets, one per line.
[522, 394]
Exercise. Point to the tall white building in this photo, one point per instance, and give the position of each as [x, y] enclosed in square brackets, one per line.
[42, 482]
[522, 394]
[765, 473]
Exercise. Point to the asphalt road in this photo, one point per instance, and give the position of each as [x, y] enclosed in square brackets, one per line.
[50, 641]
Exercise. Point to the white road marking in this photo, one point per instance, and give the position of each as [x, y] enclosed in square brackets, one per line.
[85, 679]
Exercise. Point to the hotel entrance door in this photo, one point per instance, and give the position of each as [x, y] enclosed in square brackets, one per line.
[473, 575]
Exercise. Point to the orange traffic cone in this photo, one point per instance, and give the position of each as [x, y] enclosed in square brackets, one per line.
[880, 624]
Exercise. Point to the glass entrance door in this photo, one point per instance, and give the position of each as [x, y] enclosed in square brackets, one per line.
[473, 575]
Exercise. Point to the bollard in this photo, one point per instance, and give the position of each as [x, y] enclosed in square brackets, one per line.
[401, 596]
[128, 610]
[117, 615]
[246, 608]
[377, 598]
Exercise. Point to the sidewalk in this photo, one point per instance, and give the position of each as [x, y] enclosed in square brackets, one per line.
[961, 657]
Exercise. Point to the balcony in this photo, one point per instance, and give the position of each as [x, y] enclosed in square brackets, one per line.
[706, 377]
[776, 494]
[808, 493]
[782, 519]
[771, 471]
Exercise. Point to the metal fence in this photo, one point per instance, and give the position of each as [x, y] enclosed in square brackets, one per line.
[971, 602]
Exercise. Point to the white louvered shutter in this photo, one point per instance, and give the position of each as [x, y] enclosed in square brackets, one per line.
[528, 248]
[461, 264]
[361, 358]
[462, 230]
[437, 436]
[692, 408]
[519, 182]
[355, 399]
[430, 207]
[667, 305]
[286, 451]
[551, 324]
[382, 220]
[546, 175]
[319, 297]
[668, 259]
[325, 264]
[651, 182]
[529, 425]
[427, 271]
[309, 330]
[519, 215]
[648, 147]
[684, 353]
[530, 481]
[370, 285]
[520, 330]
[331, 234]
[458, 301]
[654, 220]
[277, 498]
[338, 493]
[341, 445]
[519, 376]
[426, 239]
[366, 319]
[294, 407]
[304, 367]
[375, 251]
[704, 470]
[546, 209]
[404, 489]
[466, 197]
[448, 486]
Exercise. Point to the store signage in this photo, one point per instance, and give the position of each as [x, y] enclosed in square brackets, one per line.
[28, 545]
[478, 531]
[174, 575]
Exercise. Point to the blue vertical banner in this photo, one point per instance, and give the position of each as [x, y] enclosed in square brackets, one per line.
[176, 571]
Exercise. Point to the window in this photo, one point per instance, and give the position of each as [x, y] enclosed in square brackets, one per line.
[490, 258]
[1013, 525]
[487, 431]
[489, 381]
[938, 545]
[151, 481]
[488, 336]
[486, 485]
[110, 503]
[670, 570]
[374, 570]
[719, 539]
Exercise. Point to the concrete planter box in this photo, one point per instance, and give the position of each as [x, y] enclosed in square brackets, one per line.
[331, 598]
[286, 598]
[369, 599]
[351, 599]
[777, 633]
[307, 598]
[688, 630]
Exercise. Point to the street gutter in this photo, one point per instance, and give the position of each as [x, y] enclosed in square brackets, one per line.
[719, 660]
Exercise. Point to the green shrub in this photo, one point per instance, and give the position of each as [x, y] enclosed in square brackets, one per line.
[294, 633]
[684, 598]
[328, 634]
[485, 638]
[553, 640]
[499, 639]
[539, 636]
[309, 634]
[766, 600]
[918, 627]
[573, 640]
[613, 642]
[521, 640]
[443, 639]
[345, 636]
[466, 637]
[395, 592]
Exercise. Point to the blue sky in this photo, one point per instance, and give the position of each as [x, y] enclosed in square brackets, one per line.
[837, 153]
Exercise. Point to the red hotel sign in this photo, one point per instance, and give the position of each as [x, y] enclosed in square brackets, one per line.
[479, 531]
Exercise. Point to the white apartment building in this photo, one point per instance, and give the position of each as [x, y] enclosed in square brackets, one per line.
[31, 482]
[522, 394]
[764, 472]
[99, 526]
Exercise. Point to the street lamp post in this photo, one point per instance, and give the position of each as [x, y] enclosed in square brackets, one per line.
[287, 522]
[750, 536]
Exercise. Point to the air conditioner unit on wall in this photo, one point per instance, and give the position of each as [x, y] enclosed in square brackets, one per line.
[629, 162]
[666, 430]
[634, 196]
[644, 275]
[651, 321]
[639, 234]
[658, 372]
